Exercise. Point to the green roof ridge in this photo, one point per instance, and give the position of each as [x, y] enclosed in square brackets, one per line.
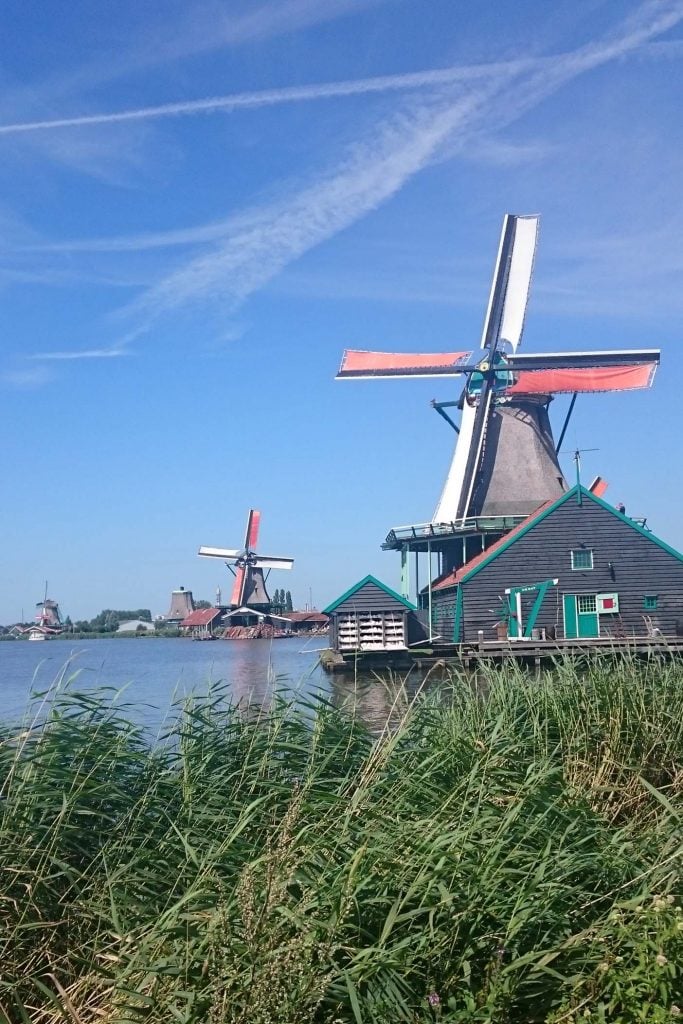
[361, 583]
[635, 526]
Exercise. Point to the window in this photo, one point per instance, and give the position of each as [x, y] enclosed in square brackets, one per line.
[650, 602]
[586, 603]
[582, 558]
[608, 604]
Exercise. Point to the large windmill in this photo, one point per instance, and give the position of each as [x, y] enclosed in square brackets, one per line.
[249, 590]
[505, 460]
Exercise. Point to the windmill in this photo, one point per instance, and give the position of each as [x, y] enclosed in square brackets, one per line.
[505, 461]
[249, 589]
[47, 613]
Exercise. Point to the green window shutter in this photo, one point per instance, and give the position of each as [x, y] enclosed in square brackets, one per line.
[650, 602]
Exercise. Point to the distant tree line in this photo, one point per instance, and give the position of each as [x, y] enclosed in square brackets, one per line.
[108, 620]
[282, 599]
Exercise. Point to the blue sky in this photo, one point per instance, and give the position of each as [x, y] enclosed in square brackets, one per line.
[203, 203]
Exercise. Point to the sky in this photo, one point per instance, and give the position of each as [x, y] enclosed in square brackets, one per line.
[203, 202]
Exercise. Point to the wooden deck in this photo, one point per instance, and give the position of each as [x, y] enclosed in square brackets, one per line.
[525, 652]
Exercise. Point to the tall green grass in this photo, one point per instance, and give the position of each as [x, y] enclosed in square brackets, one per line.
[510, 853]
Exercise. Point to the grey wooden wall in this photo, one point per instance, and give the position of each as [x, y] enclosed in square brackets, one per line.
[639, 567]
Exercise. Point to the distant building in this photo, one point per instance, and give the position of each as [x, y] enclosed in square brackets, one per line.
[39, 632]
[133, 625]
[47, 614]
[201, 622]
[307, 622]
[182, 605]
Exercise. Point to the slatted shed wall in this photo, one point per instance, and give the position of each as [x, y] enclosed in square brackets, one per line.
[367, 618]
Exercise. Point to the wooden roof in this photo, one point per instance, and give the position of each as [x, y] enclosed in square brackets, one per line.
[359, 586]
[201, 617]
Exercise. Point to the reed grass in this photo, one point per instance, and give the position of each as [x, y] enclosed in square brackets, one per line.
[505, 853]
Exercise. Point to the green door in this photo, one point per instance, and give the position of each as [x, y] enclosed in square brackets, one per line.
[580, 616]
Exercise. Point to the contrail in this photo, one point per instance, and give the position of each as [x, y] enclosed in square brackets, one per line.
[273, 97]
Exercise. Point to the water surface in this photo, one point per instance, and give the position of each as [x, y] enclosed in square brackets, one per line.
[153, 672]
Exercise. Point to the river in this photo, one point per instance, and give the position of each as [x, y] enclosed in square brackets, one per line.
[154, 672]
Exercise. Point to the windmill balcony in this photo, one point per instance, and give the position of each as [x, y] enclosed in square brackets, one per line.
[425, 536]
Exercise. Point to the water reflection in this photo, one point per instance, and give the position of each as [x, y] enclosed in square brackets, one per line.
[379, 700]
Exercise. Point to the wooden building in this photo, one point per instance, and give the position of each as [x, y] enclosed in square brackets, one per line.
[371, 617]
[574, 568]
[307, 622]
[200, 623]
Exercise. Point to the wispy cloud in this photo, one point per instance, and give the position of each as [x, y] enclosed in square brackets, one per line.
[176, 32]
[293, 14]
[242, 253]
[277, 97]
[650, 263]
[377, 168]
[212, 25]
[373, 172]
[193, 28]
[88, 353]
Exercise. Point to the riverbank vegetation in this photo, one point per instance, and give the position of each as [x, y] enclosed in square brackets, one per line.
[510, 854]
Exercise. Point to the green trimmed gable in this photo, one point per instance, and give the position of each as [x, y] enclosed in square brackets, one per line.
[359, 586]
[536, 518]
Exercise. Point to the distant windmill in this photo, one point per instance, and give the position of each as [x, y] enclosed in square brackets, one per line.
[249, 590]
[47, 612]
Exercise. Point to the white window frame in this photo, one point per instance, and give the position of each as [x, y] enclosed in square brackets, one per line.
[582, 551]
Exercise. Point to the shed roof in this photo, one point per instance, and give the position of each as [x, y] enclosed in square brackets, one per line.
[201, 617]
[358, 586]
[306, 617]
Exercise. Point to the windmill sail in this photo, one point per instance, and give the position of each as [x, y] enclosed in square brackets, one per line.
[238, 586]
[583, 379]
[253, 524]
[224, 553]
[359, 364]
[517, 283]
[503, 325]
[272, 562]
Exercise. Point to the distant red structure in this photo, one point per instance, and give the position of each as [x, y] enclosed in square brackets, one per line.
[201, 622]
